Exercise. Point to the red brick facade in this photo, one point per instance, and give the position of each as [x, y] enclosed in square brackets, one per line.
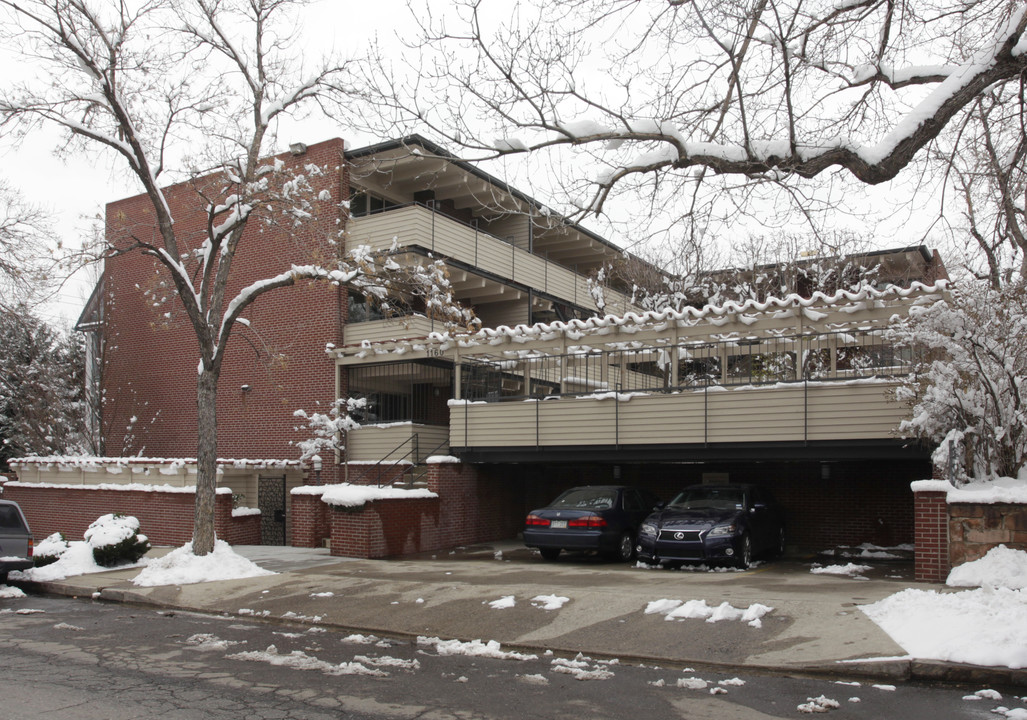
[470, 508]
[308, 521]
[273, 367]
[166, 518]
[932, 536]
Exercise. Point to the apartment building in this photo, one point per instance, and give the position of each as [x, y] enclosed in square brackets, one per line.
[555, 390]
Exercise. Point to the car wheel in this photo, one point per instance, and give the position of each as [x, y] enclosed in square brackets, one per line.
[625, 551]
[549, 553]
[744, 558]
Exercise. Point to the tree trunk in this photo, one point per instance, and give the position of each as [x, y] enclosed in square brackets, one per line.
[206, 462]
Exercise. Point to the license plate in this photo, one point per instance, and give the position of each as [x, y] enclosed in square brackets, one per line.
[558, 524]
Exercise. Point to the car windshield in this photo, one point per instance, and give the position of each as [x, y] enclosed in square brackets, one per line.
[716, 498]
[585, 499]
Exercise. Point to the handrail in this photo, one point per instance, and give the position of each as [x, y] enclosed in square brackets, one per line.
[413, 452]
[377, 466]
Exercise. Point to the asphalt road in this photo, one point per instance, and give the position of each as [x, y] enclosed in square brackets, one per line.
[68, 659]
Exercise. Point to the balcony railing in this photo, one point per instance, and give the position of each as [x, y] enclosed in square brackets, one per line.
[727, 363]
[417, 225]
[800, 412]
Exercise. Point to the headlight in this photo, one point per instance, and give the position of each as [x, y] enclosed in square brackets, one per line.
[721, 530]
[647, 529]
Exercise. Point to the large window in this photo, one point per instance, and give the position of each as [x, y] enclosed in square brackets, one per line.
[363, 203]
[402, 392]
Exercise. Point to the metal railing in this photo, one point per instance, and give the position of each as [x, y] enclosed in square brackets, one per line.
[391, 469]
[519, 257]
[820, 357]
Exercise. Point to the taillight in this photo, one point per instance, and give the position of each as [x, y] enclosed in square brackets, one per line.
[31, 545]
[536, 521]
[589, 521]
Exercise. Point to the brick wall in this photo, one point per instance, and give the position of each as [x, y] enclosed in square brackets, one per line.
[151, 354]
[472, 507]
[976, 529]
[308, 521]
[932, 562]
[166, 518]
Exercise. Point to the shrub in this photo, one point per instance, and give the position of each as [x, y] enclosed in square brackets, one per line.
[115, 540]
[49, 549]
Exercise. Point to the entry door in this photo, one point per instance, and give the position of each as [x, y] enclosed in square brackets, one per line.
[271, 501]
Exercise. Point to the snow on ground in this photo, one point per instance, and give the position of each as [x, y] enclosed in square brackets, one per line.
[182, 567]
[1001, 567]
[984, 626]
[7, 592]
[76, 560]
[583, 667]
[549, 602]
[299, 660]
[507, 601]
[698, 609]
[474, 648]
[851, 569]
[868, 551]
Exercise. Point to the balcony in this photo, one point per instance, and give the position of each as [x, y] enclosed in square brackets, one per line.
[791, 413]
[417, 225]
[395, 328]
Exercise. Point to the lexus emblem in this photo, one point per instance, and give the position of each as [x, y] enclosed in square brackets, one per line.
[679, 536]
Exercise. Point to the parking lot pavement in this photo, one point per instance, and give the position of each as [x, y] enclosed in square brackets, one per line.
[491, 592]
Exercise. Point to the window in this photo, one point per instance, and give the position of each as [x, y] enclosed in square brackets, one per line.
[363, 203]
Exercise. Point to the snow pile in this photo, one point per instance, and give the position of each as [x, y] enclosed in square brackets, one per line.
[507, 601]
[820, 704]
[979, 627]
[182, 567]
[1001, 567]
[698, 609]
[582, 668]
[210, 643]
[871, 551]
[76, 560]
[850, 569]
[7, 592]
[299, 660]
[549, 602]
[474, 648]
[347, 495]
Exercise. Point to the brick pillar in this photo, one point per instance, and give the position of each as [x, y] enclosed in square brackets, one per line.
[309, 523]
[932, 536]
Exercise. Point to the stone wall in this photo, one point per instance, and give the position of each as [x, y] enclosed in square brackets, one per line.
[976, 529]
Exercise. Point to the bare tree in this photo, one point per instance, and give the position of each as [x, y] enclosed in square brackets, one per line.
[27, 257]
[708, 105]
[988, 176]
[194, 89]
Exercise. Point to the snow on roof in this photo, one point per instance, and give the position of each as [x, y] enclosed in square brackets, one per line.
[120, 487]
[90, 463]
[810, 307]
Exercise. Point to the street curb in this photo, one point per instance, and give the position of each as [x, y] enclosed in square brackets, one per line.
[898, 670]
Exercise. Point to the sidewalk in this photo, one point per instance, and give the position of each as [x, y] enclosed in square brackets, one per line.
[815, 626]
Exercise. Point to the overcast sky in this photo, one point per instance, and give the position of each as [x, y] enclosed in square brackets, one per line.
[75, 189]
